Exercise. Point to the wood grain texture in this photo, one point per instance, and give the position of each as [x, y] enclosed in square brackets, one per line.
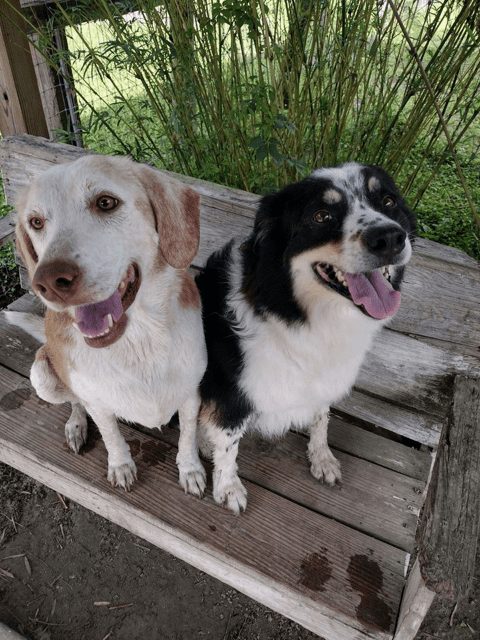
[20, 105]
[327, 570]
[450, 526]
[367, 490]
[416, 602]
[441, 300]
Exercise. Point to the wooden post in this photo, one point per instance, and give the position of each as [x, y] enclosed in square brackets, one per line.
[20, 104]
[450, 526]
[56, 91]
[415, 604]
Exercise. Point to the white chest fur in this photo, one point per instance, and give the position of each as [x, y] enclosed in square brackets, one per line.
[146, 375]
[291, 373]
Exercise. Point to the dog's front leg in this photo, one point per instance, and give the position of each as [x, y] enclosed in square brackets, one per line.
[76, 427]
[324, 466]
[50, 388]
[122, 471]
[192, 476]
[228, 490]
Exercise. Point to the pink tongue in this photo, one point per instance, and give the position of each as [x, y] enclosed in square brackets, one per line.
[92, 319]
[375, 293]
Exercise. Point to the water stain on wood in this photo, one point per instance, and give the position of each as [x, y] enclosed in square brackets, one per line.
[316, 571]
[14, 399]
[152, 452]
[366, 577]
[93, 437]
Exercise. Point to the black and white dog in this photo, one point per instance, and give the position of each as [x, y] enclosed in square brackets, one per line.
[290, 312]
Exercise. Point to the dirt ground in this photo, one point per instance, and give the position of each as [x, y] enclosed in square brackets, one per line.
[68, 574]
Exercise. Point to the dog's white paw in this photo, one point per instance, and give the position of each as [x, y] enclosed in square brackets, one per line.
[325, 467]
[122, 475]
[229, 492]
[76, 431]
[192, 478]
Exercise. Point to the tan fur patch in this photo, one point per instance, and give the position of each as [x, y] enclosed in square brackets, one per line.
[176, 208]
[189, 297]
[331, 196]
[58, 341]
[44, 355]
[26, 249]
[210, 414]
[145, 208]
[373, 184]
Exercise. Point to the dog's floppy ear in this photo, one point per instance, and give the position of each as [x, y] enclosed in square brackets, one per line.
[23, 242]
[176, 209]
[25, 249]
[269, 220]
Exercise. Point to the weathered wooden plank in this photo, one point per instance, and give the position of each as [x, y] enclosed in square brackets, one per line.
[400, 420]
[367, 489]
[6, 633]
[410, 373]
[431, 249]
[441, 300]
[20, 105]
[448, 535]
[332, 579]
[48, 85]
[416, 602]
[17, 348]
[382, 451]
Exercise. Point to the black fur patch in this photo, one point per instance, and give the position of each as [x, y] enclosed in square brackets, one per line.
[225, 360]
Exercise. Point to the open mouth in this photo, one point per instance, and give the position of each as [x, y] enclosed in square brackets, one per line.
[371, 292]
[103, 323]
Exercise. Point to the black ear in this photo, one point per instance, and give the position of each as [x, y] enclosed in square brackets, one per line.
[272, 219]
[265, 212]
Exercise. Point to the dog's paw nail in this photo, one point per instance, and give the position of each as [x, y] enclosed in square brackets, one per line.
[123, 476]
[327, 471]
[231, 496]
[193, 479]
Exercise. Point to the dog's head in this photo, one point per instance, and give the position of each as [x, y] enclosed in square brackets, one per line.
[343, 234]
[90, 231]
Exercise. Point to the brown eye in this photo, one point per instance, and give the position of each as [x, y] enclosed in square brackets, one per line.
[107, 203]
[322, 216]
[36, 223]
[388, 202]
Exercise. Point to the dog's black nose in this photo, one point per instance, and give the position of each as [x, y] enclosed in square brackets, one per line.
[385, 240]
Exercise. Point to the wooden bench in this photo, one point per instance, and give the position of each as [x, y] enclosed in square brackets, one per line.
[359, 561]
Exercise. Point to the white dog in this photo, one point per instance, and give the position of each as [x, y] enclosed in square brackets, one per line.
[106, 243]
